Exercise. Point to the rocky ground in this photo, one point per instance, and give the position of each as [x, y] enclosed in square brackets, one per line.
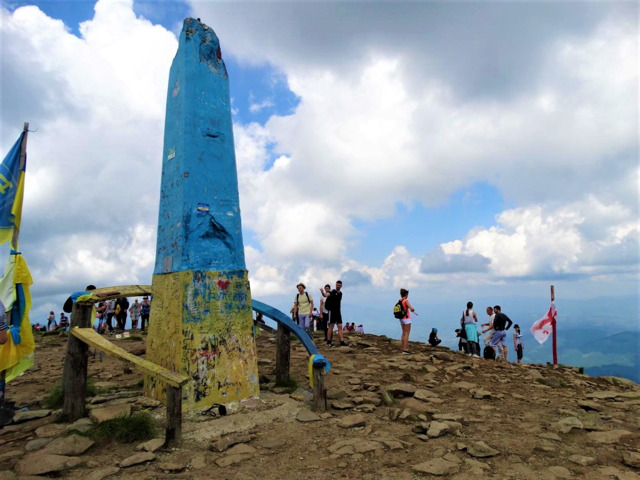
[436, 413]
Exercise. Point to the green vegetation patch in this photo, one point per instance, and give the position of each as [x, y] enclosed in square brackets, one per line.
[136, 428]
[56, 398]
[290, 384]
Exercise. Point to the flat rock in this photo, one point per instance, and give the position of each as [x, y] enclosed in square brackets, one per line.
[199, 462]
[437, 429]
[416, 406]
[99, 415]
[171, 466]
[152, 445]
[101, 473]
[557, 471]
[611, 436]
[82, 425]
[565, 425]
[631, 459]
[137, 459]
[50, 430]
[302, 395]
[401, 390]
[306, 415]
[71, 445]
[20, 416]
[589, 405]
[342, 404]
[10, 455]
[480, 394]
[464, 385]
[351, 421]
[37, 444]
[481, 450]
[425, 395]
[37, 463]
[582, 460]
[437, 466]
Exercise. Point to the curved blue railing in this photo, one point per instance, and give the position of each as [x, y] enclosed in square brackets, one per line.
[282, 319]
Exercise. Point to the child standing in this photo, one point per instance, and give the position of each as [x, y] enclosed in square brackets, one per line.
[518, 344]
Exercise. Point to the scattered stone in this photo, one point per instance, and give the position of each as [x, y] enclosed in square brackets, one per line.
[335, 394]
[567, 424]
[72, 445]
[437, 429]
[20, 416]
[146, 402]
[481, 450]
[225, 443]
[302, 395]
[550, 436]
[449, 416]
[342, 405]
[37, 463]
[552, 382]
[99, 415]
[137, 459]
[589, 405]
[306, 415]
[480, 394]
[415, 406]
[235, 455]
[611, 436]
[152, 445]
[82, 425]
[559, 472]
[464, 385]
[582, 460]
[199, 462]
[326, 415]
[425, 395]
[631, 459]
[437, 466]
[401, 390]
[367, 408]
[102, 473]
[50, 430]
[351, 421]
[37, 444]
[10, 455]
[171, 466]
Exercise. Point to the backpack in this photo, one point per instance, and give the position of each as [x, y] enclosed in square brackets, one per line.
[489, 353]
[398, 310]
[328, 303]
[298, 296]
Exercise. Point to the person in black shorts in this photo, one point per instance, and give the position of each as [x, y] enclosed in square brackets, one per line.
[333, 304]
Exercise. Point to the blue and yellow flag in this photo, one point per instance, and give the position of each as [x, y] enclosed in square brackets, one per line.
[11, 191]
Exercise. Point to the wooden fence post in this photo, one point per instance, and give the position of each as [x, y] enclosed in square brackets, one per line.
[319, 392]
[74, 376]
[283, 354]
[174, 416]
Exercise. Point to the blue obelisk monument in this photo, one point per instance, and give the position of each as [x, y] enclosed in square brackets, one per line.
[201, 321]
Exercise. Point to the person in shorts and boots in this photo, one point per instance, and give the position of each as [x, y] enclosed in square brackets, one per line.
[501, 323]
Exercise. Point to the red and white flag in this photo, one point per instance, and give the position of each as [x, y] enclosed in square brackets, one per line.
[542, 328]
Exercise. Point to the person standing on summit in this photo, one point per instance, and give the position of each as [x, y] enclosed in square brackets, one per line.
[303, 309]
[501, 323]
[333, 304]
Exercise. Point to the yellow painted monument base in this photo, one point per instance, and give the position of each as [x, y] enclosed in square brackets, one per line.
[201, 325]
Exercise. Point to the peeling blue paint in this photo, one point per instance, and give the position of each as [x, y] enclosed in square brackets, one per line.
[199, 138]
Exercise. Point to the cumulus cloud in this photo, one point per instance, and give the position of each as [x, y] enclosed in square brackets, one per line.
[538, 101]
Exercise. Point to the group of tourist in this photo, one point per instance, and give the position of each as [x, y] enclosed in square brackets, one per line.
[495, 340]
[109, 309]
[328, 316]
[61, 324]
[496, 329]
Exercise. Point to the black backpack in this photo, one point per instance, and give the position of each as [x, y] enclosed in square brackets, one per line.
[398, 310]
[489, 353]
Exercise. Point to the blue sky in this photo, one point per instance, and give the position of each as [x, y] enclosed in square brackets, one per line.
[462, 150]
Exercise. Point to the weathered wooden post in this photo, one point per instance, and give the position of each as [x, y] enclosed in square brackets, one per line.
[283, 354]
[174, 416]
[74, 376]
[319, 392]
[201, 322]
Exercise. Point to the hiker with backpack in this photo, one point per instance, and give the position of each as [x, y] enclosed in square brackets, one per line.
[402, 311]
[303, 309]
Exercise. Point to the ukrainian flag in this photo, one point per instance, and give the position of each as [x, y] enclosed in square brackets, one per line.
[11, 191]
[17, 354]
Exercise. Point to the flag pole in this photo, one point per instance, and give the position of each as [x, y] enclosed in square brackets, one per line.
[553, 331]
[14, 246]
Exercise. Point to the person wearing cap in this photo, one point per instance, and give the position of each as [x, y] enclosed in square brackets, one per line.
[433, 338]
[303, 309]
[145, 311]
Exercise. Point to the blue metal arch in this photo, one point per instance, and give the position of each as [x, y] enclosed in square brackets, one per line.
[282, 319]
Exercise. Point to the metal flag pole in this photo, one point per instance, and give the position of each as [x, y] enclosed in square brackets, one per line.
[553, 331]
[14, 246]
